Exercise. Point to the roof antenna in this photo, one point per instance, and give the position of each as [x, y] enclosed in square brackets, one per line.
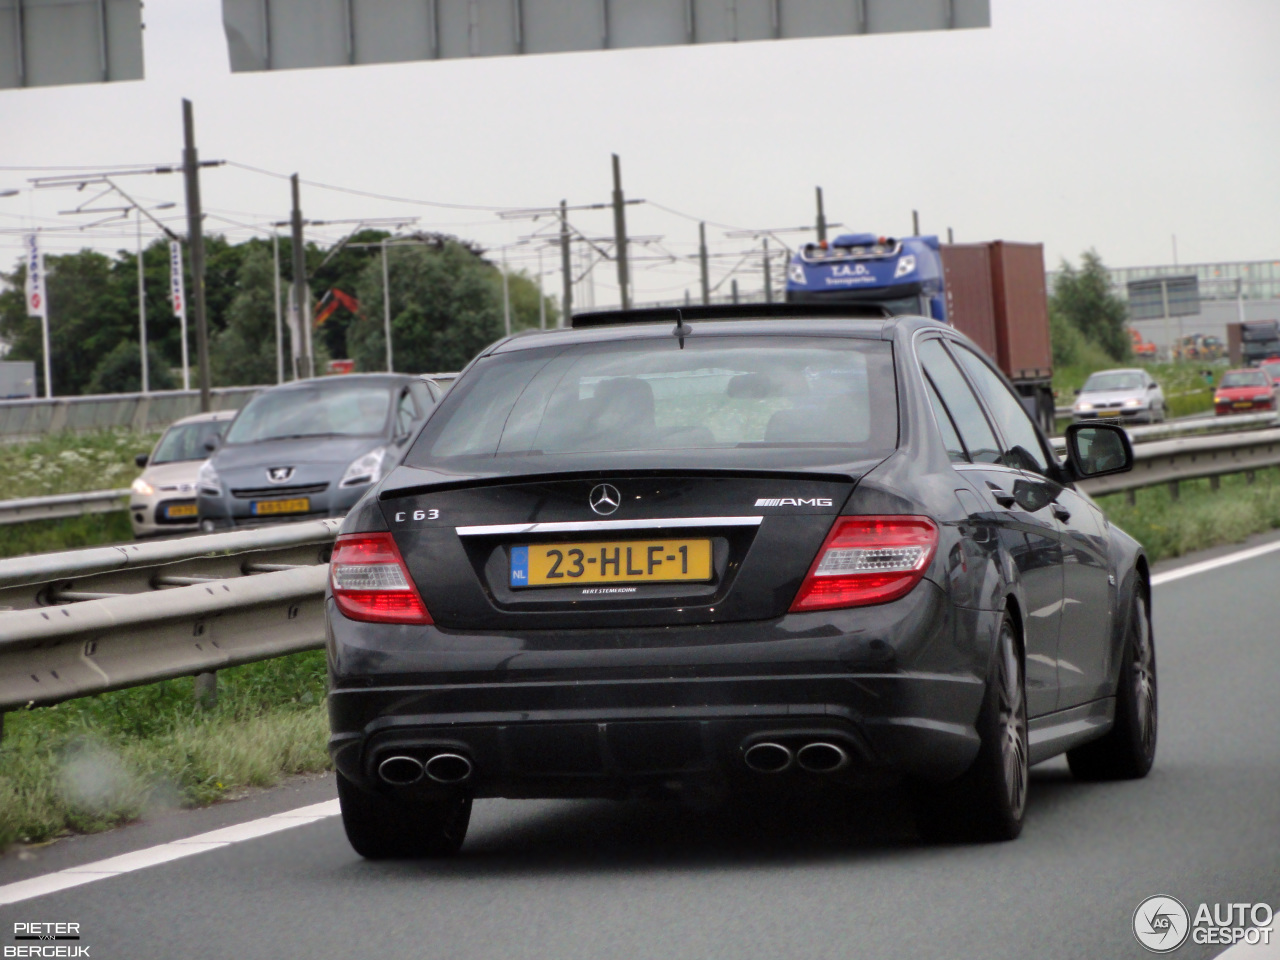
[682, 329]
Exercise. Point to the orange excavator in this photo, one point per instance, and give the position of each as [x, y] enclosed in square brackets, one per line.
[1142, 349]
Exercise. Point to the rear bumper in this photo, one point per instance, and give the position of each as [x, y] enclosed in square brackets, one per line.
[893, 686]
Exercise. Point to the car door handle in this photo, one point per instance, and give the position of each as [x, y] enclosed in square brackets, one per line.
[1061, 512]
[1002, 498]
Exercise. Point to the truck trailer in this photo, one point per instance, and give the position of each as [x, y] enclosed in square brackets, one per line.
[993, 292]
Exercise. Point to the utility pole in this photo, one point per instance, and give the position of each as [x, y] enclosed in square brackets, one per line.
[195, 237]
[915, 223]
[275, 256]
[702, 260]
[566, 268]
[300, 296]
[734, 289]
[142, 310]
[620, 233]
[506, 294]
[386, 304]
[822, 219]
[542, 300]
[768, 276]
[951, 237]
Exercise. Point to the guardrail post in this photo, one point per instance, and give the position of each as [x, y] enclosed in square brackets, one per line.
[1215, 482]
[1131, 497]
[1174, 491]
[58, 418]
[1250, 476]
[206, 690]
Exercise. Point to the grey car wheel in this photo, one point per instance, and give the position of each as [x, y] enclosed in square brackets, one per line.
[1128, 751]
[989, 801]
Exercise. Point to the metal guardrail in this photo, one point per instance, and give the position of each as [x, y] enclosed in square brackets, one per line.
[139, 412]
[62, 505]
[87, 621]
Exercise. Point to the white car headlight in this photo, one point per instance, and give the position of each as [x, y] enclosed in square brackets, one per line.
[1133, 402]
[1083, 407]
[367, 469]
[142, 488]
[207, 480]
[795, 273]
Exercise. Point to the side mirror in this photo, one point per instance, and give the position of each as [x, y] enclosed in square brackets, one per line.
[141, 460]
[211, 443]
[1076, 391]
[1098, 450]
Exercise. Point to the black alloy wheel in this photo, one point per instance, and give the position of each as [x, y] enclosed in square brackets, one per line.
[1128, 751]
[988, 802]
[382, 829]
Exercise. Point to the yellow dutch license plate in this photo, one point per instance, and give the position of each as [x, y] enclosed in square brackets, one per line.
[1241, 404]
[175, 510]
[1107, 413]
[628, 561]
[297, 505]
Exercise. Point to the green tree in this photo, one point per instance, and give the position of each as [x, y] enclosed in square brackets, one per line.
[120, 371]
[446, 306]
[243, 351]
[1084, 302]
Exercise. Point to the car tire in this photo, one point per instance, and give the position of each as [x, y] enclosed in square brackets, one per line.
[1128, 750]
[382, 829]
[988, 801]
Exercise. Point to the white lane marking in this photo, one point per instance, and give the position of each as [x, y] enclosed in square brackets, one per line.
[1191, 569]
[163, 853]
[1253, 951]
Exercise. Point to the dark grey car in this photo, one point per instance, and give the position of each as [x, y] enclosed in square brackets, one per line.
[311, 449]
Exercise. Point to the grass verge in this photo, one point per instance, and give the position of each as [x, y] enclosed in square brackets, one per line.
[72, 533]
[1201, 517]
[91, 764]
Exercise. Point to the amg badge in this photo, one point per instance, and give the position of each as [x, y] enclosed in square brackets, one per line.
[795, 502]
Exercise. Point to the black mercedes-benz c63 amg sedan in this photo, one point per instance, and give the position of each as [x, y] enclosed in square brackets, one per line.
[737, 548]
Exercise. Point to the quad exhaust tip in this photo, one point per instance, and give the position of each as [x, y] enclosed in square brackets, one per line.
[448, 768]
[400, 771]
[768, 757]
[822, 758]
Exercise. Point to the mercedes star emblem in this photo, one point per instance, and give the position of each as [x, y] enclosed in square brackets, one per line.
[605, 499]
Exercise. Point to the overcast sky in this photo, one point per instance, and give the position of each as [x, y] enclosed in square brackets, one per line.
[1078, 123]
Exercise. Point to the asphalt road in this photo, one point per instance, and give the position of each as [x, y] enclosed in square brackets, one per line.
[819, 878]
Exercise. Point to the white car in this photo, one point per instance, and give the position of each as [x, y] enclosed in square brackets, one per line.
[1123, 395]
[163, 498]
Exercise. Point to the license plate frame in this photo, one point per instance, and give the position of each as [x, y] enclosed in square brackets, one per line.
[271, 508]
[633, 562]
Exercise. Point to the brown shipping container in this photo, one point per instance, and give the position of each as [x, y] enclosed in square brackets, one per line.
[966, 270]
[1022, 310]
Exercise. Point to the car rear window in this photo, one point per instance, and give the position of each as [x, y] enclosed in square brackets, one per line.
[766, 400]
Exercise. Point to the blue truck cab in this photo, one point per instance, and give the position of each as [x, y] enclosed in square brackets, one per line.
[904, 274]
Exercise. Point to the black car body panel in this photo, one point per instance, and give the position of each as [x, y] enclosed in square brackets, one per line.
[564, 693]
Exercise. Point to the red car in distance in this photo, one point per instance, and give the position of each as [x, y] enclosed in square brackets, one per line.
[1244, 391]
[1271, 366]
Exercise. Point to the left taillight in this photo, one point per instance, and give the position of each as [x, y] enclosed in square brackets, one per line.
[868, 560]
[371, 583]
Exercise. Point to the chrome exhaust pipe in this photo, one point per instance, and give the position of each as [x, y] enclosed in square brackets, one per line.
[822, 758]
[448, 768]
[400, 771]
[768, 758]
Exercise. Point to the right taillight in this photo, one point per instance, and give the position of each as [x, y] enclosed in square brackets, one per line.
[867, 560]
[371, 583]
